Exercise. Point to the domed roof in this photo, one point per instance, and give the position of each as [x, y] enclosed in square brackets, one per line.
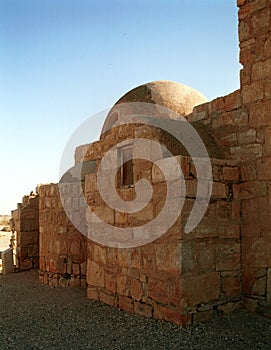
[178, 97]
[175, 96]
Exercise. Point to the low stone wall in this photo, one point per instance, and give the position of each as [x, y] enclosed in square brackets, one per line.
[179, 277]
[63, 249]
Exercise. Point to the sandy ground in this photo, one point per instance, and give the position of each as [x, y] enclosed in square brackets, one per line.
[33, 316]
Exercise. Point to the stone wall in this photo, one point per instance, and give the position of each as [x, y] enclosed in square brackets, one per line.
[255, 192]
[25, 221]
[178, 277]
[63, 249]
[241, 125]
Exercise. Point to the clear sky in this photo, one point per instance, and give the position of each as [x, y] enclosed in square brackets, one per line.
[62, 61]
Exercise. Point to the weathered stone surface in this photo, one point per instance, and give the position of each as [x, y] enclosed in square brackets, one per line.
[232, 286]
[25, 222]
[126, 303]
[203, 288]
[95, 274]
[158, 290]
[260, 114]
[168, 314]
[136, 289]
[122, 284]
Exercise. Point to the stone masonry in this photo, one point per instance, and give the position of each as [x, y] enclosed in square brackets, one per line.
[63, 249]
[25, 225]
[225, 262]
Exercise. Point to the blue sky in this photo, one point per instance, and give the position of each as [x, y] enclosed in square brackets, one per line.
[62, 61]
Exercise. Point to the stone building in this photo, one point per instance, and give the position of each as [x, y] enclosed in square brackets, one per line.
[225, 261]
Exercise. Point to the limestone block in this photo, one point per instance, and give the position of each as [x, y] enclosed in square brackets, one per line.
[172, 167]
[252, 189]
[263, 167]
[228, 255]
[259, 287]
[83, 283]
[260, 20]
[168, 257]
[148, 257]
[29, 237]
[136, 290]
[246, 137]
[121, 218]
[110, 160]
[260, 114]
[202, 288]
[99, 254]
[252, 92]
[122, 284]
[75, 269]
[95, 274]
[219, 190]
[233, 101]
[69, 267]
[92, 293]
[197, 116]
[248, 171]
[247, 152]
[107, 298]
[83, 268]
[104, 213]
[159, 290]
[142, 216]
[232, 286]
[223, 211]
[233, 118]
[172, 315]
[259, 256]
[228, 141]
[191, 188]
[142, 170]
[126, 303]
[110, 282]
[90, 183]
[204, 256]
[91, 151]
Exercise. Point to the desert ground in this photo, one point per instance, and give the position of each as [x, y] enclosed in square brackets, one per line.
[33, 316]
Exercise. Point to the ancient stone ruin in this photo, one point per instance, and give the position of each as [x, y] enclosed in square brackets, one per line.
[25, 223]
[225, 262]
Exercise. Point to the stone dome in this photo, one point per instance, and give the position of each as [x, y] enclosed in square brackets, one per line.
[178, 97]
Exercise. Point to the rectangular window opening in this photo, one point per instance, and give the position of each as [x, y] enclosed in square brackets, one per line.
[126, 176]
